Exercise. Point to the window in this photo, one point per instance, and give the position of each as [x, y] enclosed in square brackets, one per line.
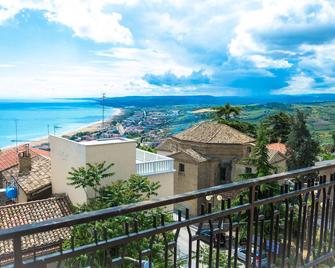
[223, 172]
[248, 170]
[248, 150]
[181, 167]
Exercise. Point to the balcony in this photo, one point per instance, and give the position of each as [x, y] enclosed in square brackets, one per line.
[292, 227]
[149, 163]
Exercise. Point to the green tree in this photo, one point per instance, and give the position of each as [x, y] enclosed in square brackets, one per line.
[260, 153]
[121, 192]
[226, 112]
[302, 149]
[279, 127]
[90, 176]
[259, 156]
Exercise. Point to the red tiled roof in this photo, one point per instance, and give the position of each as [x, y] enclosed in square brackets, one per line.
[32, 212]
[8, 157]
[36, 179]
[280, 147]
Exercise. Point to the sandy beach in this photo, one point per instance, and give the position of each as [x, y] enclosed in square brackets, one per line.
[92, 127]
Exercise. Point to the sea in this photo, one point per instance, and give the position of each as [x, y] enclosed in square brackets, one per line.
[33, 119]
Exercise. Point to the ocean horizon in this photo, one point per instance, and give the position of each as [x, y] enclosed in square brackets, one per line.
[35, 118]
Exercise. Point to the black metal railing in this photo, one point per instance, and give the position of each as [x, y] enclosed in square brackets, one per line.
[281, 220]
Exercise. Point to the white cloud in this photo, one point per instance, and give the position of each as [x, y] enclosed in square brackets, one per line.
[318, 58]
[303, 84]
[265, 62]
[87, 19]
[279, 27]
[300, 84]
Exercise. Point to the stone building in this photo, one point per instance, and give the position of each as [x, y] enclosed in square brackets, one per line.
[204, 156]
[209, 154]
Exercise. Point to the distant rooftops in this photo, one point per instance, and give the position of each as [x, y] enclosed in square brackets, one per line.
[31, 212]
[280, 147]
[210, 132]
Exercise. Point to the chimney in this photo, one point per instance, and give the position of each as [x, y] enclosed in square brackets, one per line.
[24, 158]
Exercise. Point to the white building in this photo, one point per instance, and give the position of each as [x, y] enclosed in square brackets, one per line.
[127, 160]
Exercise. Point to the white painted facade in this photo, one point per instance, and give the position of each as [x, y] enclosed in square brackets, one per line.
[127, 160]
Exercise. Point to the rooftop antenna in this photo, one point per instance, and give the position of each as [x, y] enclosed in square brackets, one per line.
[103, 110]
[55, 127]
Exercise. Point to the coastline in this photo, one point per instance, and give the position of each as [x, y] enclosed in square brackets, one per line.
[90, 127]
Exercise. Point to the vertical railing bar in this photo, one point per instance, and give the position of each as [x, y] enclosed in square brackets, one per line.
[230, 234]
[271, 236]
[250, 224]
[283, 257]
[317, 199]
[299, 185]
[166, 244]
[254, 262]
[17, 245]
[151, 243]
[323, 213]
[261, 233]
[303, 231]
[311, 219]
[210, 256]
[187, 216]
[197, 253]
[331, 236]
[276, 236]
[327, 220]
[176, 242]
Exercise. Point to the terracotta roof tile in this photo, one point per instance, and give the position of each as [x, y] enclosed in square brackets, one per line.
[210, 132]
[32, 212]
[37, 178]
[8, 157]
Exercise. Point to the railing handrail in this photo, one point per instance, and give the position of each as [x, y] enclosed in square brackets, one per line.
[155, 161]
[153, 203]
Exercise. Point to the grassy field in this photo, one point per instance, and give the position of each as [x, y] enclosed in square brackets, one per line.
[321, 116]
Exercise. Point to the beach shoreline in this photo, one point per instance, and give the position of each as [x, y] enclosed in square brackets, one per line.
[90, 127]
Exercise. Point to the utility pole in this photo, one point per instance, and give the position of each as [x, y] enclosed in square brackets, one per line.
[103, 110]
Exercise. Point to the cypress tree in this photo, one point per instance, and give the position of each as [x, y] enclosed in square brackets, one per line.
[302, 149]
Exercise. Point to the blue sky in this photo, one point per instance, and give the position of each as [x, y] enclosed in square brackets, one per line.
[81, 48]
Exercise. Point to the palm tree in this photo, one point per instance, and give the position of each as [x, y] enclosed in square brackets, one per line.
[227, 111]
[90, 176]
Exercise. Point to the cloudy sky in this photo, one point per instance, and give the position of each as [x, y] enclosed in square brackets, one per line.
[81, 48]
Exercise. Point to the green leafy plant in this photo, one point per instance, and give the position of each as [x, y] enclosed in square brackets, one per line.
[90, 176]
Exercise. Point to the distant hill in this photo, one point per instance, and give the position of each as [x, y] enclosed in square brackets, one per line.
[145, 101]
